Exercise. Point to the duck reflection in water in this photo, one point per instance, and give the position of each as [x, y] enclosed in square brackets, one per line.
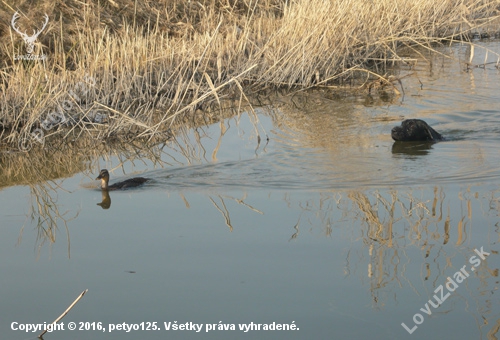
[126, 184]
[106, 200]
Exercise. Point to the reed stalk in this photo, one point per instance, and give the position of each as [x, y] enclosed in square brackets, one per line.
[129, 68]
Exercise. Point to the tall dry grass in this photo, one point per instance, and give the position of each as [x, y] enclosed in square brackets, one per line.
[124, 67]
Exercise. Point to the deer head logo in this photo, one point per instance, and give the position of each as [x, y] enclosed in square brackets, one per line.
[29, 40]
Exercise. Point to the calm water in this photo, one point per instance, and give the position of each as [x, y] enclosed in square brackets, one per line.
[328, 226]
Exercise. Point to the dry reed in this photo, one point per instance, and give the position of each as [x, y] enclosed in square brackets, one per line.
[135, 69]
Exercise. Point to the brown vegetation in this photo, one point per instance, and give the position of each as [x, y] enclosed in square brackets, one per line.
[123, 67]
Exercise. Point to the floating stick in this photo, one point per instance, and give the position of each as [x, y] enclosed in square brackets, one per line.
[65, 312]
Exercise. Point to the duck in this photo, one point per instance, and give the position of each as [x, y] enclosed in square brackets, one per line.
[128, 183]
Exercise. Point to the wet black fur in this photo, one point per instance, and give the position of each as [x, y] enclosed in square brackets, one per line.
[415, 130]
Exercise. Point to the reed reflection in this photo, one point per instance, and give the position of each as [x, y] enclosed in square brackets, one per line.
[407, 241]
[403, 241]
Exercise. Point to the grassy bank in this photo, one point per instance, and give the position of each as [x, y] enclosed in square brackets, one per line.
[137, 68]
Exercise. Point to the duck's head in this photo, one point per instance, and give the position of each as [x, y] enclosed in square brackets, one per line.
[104, 177]
[103, 174]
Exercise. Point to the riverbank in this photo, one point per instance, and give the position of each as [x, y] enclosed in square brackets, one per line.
[127, 68]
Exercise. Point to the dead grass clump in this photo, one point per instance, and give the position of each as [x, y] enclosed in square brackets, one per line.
[133, 67]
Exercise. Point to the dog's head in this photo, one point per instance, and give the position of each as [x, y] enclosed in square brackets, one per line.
[414, 130]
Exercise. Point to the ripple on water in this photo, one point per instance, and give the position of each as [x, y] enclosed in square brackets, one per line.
[318, 143]
[455, 161]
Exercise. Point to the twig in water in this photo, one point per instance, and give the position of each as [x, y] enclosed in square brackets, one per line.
[65, 312]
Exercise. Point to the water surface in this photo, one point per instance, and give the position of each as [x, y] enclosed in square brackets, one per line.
[328, 225]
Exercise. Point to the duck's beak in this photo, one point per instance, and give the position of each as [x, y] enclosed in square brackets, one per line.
[99, 177]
